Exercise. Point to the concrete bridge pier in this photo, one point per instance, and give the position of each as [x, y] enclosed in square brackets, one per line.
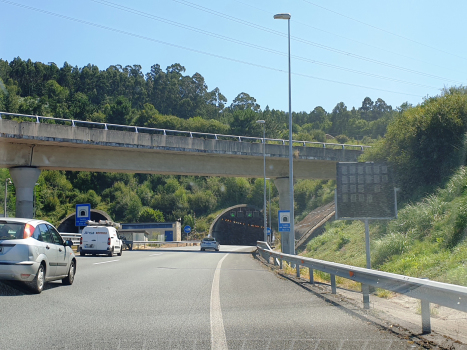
[24, 179]
[282, 185]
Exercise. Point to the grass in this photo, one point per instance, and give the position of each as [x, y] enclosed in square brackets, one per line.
[429, 238]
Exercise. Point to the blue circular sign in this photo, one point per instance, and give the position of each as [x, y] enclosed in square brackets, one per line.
[269, 231]
[187, 229]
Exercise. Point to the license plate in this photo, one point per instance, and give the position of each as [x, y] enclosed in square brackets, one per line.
[89, 245]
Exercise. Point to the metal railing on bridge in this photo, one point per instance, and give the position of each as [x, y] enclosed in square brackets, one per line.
[444, 294]
[138, 129]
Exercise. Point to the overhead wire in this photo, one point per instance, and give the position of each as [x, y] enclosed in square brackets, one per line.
[258, 47]
[311, 43]
[383, 30]
[349, 39]
[77, 20]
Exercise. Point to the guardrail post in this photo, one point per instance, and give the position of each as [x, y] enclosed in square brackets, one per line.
[280, 264]
[366, 296]
[333, 284]
[298, 270]
[311, 276]
[426, 325]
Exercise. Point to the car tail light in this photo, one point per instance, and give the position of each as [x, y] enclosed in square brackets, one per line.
[108, 241]
[81, 240]
[28, 231]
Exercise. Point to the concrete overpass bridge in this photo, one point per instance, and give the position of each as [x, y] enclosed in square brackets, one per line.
[29, 144]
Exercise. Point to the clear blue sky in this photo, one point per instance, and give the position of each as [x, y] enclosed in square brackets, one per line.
[342, 51]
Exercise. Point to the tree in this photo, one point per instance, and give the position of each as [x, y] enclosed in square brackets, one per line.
[243, 101]
[244, 123]
[150, 215]
[425, 143]
[366, 109]
[80, 106]
[339, 118]
[119, 111]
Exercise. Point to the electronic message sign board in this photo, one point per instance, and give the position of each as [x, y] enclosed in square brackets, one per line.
[365, 190]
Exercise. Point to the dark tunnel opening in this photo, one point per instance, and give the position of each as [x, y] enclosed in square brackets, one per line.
[240, 225]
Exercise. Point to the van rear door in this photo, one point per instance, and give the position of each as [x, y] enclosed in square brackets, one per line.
[102, 236]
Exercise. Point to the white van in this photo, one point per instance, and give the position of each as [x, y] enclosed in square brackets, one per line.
[100, 238]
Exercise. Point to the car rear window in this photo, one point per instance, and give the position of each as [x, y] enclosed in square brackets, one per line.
[11, 230]
[209, 239]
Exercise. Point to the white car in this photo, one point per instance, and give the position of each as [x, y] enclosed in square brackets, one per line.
[32, 251]
[209, 243]
[100, 238]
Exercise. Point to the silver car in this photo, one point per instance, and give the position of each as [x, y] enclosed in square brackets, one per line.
[209, 243]
[32, 251]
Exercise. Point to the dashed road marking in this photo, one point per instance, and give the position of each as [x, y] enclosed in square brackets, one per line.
[106, 262]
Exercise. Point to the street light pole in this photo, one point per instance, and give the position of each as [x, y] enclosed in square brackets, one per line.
[7, 181]
[291, 190]
[264, 173]
[269, 206]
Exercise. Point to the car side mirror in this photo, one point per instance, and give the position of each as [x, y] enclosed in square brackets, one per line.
[68, 243]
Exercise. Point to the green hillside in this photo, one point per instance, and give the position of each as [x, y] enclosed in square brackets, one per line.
[426, 147]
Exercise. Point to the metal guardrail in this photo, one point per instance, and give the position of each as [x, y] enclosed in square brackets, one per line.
[73, 236]
[444, 294]
[138, 129]
[130, 244]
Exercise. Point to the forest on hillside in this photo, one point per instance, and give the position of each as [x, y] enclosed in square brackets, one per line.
[416, 139]
[168, 99]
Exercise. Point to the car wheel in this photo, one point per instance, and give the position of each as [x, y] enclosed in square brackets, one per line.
[111, 252]
[37, 284]
[202, 249]
[68, 280]
[120, 253]
[81, 253]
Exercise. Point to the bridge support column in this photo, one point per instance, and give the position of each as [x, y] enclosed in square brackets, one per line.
[24, 179]
[282, 185]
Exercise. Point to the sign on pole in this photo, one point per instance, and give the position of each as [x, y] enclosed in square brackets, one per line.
[365, 191]
[83, 214]
[187, 229]
[284, 220]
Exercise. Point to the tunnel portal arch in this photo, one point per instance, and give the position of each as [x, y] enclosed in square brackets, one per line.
[239, 225]
[68, 224]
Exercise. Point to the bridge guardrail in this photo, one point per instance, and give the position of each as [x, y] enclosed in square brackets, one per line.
[444, 294]
[191, 134]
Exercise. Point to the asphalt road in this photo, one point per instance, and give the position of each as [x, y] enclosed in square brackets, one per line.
[180, 299]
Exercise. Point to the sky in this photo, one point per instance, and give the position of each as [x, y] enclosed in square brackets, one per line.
[341, 51]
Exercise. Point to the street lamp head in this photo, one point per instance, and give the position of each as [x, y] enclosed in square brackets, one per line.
[260, 121]
[282, 16]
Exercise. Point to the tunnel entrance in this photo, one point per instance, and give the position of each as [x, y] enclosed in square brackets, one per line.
[68, 224]
[239, 225]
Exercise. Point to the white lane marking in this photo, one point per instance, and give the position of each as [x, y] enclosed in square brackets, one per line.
[155, 254]
[218, 339]
[105, 262]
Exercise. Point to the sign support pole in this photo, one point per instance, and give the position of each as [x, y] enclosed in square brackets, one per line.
[365, 287]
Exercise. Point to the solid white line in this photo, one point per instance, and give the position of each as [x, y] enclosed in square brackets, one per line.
[105, 262]
[155, 254]
[218, 339]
